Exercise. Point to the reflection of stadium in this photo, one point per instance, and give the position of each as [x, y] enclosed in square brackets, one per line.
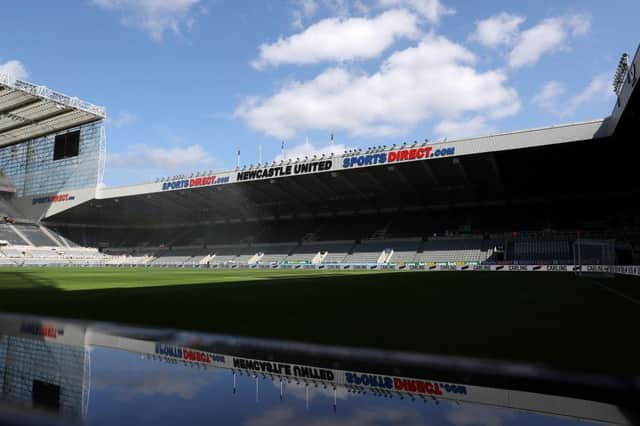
[46, 365]
[560, 195]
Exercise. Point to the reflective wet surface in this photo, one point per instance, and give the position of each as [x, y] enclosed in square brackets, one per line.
[72, 372]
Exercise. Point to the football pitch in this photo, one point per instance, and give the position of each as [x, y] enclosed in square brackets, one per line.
[559, 319]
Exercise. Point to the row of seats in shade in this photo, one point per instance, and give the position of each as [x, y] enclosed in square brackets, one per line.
[373, 251]
[541, 249]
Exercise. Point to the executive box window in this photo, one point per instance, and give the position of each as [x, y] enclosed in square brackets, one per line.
[66, 145]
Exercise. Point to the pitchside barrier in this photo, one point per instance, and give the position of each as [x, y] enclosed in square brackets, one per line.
[452, 266]
[626, 270]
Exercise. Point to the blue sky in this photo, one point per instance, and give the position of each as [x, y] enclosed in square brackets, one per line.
[187, 83]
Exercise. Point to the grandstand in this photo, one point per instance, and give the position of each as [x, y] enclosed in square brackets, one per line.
[519, 198]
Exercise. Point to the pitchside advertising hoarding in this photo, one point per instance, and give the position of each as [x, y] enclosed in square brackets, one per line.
[333, 164]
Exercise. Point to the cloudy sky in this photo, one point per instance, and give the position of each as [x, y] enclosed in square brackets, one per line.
[188, 83]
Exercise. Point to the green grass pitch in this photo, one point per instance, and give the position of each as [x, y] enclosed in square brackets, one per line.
[557, 319]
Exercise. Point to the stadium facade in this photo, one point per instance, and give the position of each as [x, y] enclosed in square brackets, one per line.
[553, 196]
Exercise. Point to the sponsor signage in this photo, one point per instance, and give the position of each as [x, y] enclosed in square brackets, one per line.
[627, 270]
[557, 268]
[397, 156]
[195, 182]
[291, 370]
[482, 267]
[389, 157]
[288, 170]
[58, 198]
[399, 384]
[42, 330]
[185, 354]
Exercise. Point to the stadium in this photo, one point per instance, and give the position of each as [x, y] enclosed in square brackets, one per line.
[535, 197]
[535, 207]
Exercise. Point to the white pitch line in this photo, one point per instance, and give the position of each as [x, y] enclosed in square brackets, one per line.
[629, 298]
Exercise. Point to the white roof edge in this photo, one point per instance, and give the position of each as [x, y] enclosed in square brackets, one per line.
[529, 130]
[45, 93]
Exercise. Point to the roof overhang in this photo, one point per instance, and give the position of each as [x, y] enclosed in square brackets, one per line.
[350, 160]
[28, 111]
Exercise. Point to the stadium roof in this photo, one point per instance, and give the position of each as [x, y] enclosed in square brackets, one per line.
[623, 120]
[28, 111]
[557, 161]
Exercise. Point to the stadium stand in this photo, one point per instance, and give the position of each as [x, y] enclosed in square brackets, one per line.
[405, 250]
[7, 233]
[336, 252]
[5, 261]
[370, 251]
[16, 252]
[462, 249]
[305, 253]
[515, 198]
[542, 251]
[273, 253]
[165, 258]
[34, 235]
[537, 248]
[226, 254]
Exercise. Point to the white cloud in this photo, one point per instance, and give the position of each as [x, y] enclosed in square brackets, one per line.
[497, 30]
[338, 7]
[599, 87]
[473, 415]
[434, 79]
[309, 7]
[476, 126]
[360, 7]
[15, 69]
[372, 416]
[308, 149]
[337, 39]
[553, 99]
[151, 157]
[156, 383]
[548, 36]
[154, 16]
[549, 96]
[304, 9]
[122, 119]
[299, 391]
[432, 10]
